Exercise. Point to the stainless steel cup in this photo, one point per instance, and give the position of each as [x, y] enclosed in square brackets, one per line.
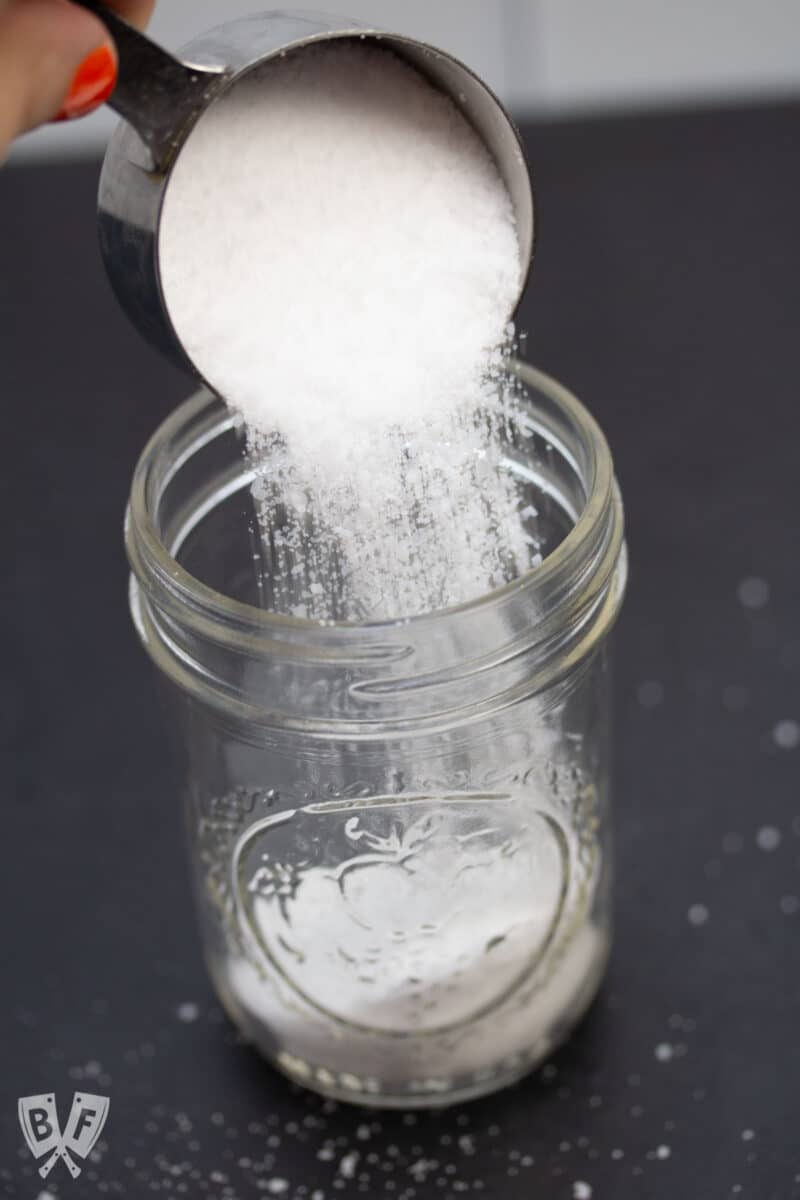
[162, 98]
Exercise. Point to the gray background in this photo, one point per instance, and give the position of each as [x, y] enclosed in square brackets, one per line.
[547, 58]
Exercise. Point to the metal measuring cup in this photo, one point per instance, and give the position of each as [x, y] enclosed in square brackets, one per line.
[162, 98]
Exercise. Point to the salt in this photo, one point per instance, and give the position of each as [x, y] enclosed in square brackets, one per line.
[348, 1165]
[446, 999]
[339, 257]
[786, 735]
[753, 592]
[768, 838]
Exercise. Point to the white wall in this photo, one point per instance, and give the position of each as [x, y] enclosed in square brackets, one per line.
[609, 52]
[547, 57]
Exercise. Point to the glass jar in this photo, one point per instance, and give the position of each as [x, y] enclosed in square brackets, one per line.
[399, 831]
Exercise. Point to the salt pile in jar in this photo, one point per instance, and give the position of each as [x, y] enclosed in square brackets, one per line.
[339, 258]
[434, 967]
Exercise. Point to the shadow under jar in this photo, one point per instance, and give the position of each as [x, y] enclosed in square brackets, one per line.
[399, 831]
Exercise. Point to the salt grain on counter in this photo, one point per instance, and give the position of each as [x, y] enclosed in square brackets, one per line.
[768, 838]
[347, 1166]
[786, 735]
[359, 267]
[753, 592]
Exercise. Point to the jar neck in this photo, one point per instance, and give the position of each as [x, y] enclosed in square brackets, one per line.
[435, 670]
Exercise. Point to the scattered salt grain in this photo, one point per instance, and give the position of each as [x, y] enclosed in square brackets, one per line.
[753, 592]
[663, 1052]
[420, 1169]
[277, 1187]
[698, 914]
[786, 735]
[581, 1191]
[768, 838]
[187, 1012]
[348, 1165]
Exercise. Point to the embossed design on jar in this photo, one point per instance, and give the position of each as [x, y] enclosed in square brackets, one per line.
[278, 881]
[410, 913]
[219, 825]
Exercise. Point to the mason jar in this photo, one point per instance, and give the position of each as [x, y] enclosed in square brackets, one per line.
[399, 831]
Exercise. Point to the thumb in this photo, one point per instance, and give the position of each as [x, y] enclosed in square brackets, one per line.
[55, 59]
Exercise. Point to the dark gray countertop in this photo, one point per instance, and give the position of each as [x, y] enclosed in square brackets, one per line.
[665, 293]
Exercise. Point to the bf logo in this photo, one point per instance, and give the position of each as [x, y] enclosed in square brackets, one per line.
[39, 1121]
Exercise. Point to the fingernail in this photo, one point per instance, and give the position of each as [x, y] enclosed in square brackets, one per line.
[93, 83]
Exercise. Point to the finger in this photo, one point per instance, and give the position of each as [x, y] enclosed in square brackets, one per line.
[53, 57]
[137, 12]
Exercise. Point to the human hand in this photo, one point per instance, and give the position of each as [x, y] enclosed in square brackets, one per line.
[57, 61]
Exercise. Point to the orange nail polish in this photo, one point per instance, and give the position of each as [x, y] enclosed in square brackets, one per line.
[94, 82]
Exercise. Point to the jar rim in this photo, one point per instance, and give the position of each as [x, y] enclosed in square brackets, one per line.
[213, 613]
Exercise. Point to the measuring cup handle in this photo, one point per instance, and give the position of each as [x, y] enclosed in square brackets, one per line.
[155, 92]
